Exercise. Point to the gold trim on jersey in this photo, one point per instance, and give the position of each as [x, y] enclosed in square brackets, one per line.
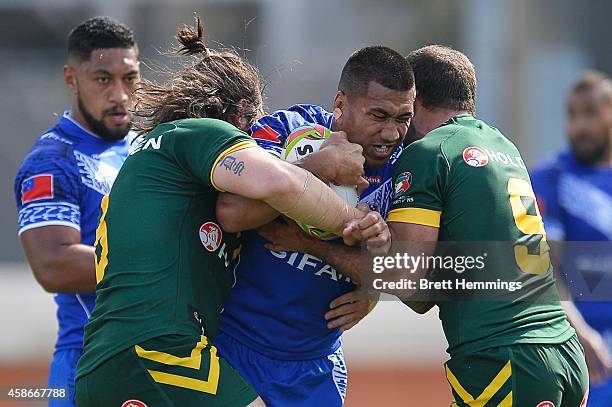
[419, 216]
[487, 394]
[239, 146]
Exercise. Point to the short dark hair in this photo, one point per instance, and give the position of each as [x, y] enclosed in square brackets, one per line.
[98, 33]
[375, 64]
[445, 78]
[591, 80]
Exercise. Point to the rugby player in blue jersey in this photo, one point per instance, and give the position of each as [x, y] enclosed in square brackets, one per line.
[277, 327]
[574, 192]
[63, 178]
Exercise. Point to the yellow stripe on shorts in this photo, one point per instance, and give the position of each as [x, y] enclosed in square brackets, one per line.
[487, 394]
[194, 361]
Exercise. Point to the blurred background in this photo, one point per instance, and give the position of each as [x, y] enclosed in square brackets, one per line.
[526, 53]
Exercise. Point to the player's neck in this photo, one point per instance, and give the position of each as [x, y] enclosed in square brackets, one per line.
[437, 117]
[77, 116]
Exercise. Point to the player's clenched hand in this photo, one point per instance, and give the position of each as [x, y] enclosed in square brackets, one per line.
[344, 161]
[372, 229]
[347, 310]
[284, 235]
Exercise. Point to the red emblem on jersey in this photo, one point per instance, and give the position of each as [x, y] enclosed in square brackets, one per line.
[37, 187]
[211, 235]
[133, 403]
[585, 399]
[546, 404]
[402, 183]
[266, 133]
[475, 157]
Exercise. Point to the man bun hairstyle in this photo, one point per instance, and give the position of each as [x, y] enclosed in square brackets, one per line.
[378, 64]
[445, 78]
[213, 84]
[98, 33]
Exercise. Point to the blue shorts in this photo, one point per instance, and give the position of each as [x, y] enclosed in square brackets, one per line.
[601, 395]
[61, 375]
[288, 383]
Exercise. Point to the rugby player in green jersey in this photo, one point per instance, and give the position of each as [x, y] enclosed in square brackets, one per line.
[465, 182]
[163, 263]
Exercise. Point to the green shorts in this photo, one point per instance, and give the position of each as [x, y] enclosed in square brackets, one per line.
[173, 370]
[522, 375]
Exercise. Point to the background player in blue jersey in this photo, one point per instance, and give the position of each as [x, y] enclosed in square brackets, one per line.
[273, 328]
[574, 192]
[63, 178]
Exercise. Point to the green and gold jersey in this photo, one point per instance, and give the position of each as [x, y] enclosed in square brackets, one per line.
[469, 180]
[163, 263]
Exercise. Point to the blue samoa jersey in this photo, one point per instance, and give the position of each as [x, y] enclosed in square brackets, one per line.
[61, 182]
[278, 302]
[576, 204]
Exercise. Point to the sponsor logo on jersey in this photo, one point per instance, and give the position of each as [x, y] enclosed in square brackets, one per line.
[475, 157]
[373, 179]
[505, 159]
[133, 403]
[210, 236]
[37, 187]
[546, 404]
[402, 183]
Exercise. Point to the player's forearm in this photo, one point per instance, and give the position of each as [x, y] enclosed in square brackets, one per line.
[290, 190]
[318, 163]
[345, 259]
[237, 213]
[70, 269]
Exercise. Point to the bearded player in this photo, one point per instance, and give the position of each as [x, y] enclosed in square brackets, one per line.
[62, 180]
[277, 327]
[163, 264]
[468, 183]
[584, 170]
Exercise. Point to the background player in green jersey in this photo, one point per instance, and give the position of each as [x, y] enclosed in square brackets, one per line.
[163, 264]
[465, 182]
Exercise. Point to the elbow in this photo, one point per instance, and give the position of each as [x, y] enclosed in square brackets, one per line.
[46, 278]
[229, 214]
[228, 219]
[46, 272]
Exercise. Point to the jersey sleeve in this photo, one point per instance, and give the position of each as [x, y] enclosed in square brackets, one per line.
[48, 191]
[201, 145]
[271, 131]
[419, 178]
[544, 183]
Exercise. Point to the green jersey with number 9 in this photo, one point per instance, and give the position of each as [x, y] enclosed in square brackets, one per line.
[468, 180]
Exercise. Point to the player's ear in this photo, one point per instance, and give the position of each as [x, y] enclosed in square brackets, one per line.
[339, 102]
[70, 78]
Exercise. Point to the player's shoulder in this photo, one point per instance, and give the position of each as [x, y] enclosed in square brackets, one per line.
[196, 125]
[559, 162]
[50, 151]
[295, 116]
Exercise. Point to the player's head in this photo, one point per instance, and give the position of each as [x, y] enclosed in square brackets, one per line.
[445, 83]
[374, 102]
[102, 74]
[216, 84]
[589, 117]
